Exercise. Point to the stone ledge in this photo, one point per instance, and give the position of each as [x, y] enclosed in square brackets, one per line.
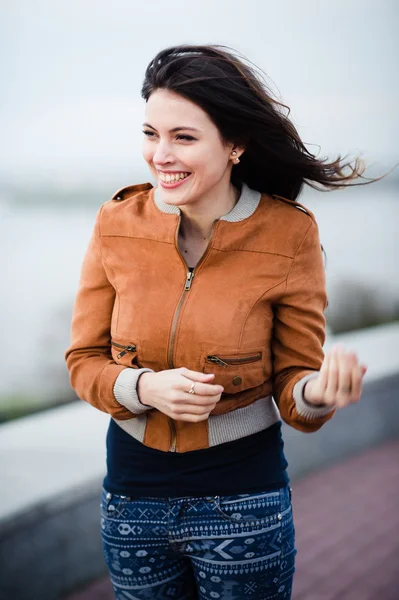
[48, 454]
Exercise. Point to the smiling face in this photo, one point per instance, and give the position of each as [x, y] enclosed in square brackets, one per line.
[184, 150]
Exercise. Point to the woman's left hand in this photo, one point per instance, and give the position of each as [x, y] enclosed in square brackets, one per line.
[339, 382]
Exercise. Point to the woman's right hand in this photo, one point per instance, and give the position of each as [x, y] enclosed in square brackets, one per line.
[168, 391]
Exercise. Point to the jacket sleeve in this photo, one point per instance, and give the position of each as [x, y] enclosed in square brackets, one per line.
[93, 372]
[299, 335]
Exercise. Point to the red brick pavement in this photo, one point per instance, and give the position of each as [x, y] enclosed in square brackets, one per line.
[347, 531]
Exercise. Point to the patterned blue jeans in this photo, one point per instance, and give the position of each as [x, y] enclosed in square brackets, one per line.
[199, 548]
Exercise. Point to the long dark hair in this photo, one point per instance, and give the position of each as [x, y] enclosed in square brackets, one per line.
[238, 101]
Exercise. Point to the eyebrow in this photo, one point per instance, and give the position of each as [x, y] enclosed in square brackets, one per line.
[174, 128]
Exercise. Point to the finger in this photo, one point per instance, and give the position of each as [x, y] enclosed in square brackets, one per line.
[203, 389]
[323, 373]
[196, 375]
[190, 418]
[332, 377]
[346, 361]
[194, 400]
[193, 409]
[357, 377]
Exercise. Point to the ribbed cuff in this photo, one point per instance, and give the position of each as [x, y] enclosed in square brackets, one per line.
[125, 390]
[305, 409]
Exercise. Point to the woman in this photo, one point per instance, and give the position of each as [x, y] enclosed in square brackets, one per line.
[200, 308]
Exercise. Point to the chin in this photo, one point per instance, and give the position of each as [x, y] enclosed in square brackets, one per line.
[176, 197]
[172, 199]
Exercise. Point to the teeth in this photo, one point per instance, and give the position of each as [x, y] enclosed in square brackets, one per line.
[173, 177]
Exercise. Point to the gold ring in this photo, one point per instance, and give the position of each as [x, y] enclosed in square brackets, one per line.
[192, 388]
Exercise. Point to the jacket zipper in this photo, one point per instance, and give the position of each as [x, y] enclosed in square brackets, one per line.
[187, 287]
[236, 360]
[125, 349]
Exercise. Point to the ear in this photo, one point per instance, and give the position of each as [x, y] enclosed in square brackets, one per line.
[235, 154]
[238, 150]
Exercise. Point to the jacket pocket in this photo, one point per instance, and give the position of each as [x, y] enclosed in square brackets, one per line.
[124, 353]
[236, 371]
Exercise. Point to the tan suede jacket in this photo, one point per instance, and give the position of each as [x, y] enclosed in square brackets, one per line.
[252, 312]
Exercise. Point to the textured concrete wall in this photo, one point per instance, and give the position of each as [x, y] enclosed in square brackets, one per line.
[56, 547]
[53, 549]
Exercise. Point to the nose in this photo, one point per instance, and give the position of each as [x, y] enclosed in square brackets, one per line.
[162, 155]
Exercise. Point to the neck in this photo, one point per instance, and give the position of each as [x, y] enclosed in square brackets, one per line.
[197, 219]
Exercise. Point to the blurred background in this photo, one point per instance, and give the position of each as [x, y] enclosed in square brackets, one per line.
[70, 122]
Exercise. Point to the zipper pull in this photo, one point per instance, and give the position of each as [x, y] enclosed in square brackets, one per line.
[189, 280]
[125, 350]
[217, 361]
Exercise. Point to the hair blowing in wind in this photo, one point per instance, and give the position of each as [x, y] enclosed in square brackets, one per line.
[234, 94]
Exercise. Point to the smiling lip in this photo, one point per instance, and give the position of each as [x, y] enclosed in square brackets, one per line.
[175, 184]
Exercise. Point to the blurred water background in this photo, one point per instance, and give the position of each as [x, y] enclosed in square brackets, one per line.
[71, 135]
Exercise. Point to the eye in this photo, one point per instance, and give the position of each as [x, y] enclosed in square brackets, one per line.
[148, 133]
[188, 138]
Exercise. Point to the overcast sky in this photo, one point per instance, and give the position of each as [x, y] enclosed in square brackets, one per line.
[72, 70]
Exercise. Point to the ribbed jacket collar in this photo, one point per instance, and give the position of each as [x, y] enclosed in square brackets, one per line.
[244, 207]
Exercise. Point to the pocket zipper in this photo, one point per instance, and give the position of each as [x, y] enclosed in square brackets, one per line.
[125, 349]
[236, 360]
